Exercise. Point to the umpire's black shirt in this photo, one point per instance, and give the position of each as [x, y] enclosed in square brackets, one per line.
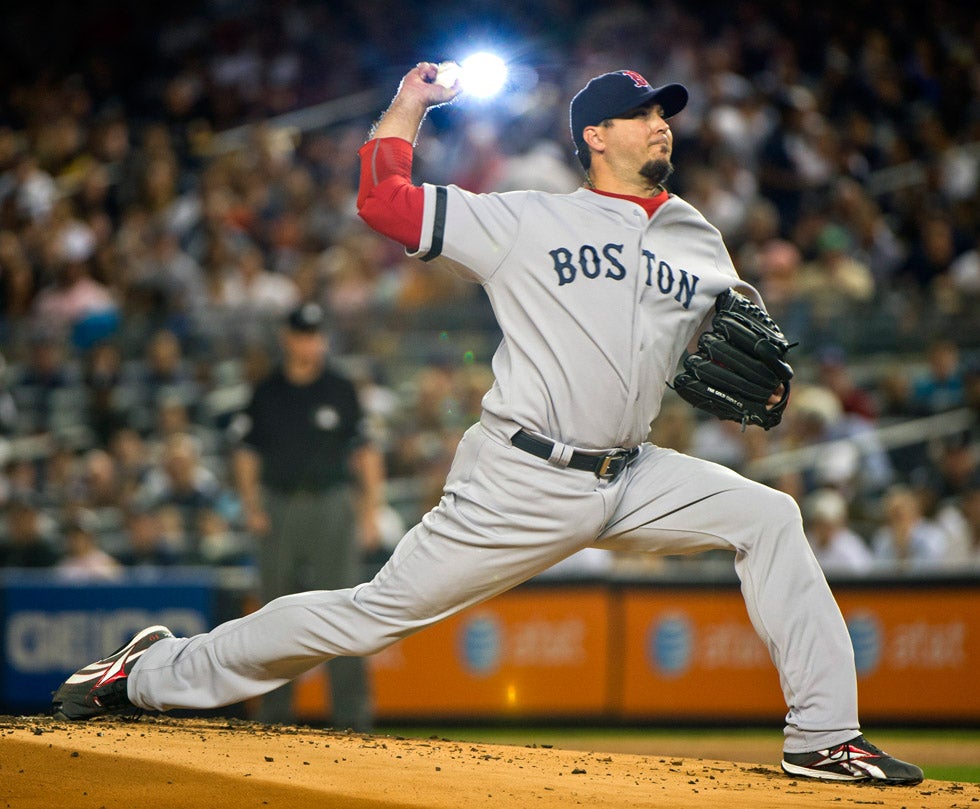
[304, 434]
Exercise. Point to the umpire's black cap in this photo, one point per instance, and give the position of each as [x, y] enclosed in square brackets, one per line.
[309, 317]
[612, 94]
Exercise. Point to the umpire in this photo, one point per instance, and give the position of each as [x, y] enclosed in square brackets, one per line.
[310, 484]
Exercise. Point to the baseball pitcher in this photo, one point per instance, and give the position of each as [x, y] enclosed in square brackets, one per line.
[600, 294]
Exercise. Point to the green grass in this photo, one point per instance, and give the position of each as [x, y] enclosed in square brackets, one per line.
[562, 736]
[963, 773]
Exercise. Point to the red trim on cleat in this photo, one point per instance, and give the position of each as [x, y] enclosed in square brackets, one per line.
[81, 698]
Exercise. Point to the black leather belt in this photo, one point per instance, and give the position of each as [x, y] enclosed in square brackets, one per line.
[606, 466]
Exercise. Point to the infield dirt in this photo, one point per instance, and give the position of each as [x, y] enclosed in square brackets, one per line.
[174, 763]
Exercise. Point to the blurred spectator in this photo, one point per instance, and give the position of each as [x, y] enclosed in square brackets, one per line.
[99, 483]
[175, 531]
[29, 543]
[103, 377]
[219, 544]
[27, 192]
[907, 540]
[419, 289]
[174, 417]
[8, 405]
[849, 456]
[253, 291]
[741, 118]
[835, 375]
[166, 372]
[480, 160]
[74, 302]
[762, 226]
[837, 547]
[960, 519]
[84, 560]
[146, 545]
[160, 192]
[174, 272]
[184, 484]
[834, 280]
[674, 426]
[779, 265]
[721, 207]
[539, 167]
[131, 457]
[59, 480]
[790, 163]
[932, 251]
[21, 478]
[894, 393]
[964, 273]
[45, 392]
[951, 469]
[724, 442]
[940, 387]
[971, 394]
[874, 241]
[351, 279]
[98, 489]
[17, 281]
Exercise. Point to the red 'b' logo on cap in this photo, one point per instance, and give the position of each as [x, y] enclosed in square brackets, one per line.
[638, 80]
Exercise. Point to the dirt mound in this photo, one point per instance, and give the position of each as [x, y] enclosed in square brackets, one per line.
[164, 762]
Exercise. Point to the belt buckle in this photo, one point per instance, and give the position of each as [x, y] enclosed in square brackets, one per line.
[615, 455]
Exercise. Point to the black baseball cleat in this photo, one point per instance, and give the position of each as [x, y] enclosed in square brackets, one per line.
[856, 760]
[100, 687]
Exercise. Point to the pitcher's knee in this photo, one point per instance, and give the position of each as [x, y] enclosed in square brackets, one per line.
[780, 507]
[770, 512]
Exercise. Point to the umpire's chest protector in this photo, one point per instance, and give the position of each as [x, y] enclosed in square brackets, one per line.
[596, 302]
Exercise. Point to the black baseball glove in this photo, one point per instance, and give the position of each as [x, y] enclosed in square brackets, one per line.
[739, 365]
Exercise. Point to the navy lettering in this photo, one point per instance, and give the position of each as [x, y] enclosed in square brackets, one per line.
[650, 257]
[685, 288]
[562, 259]
[620, 270]
[585, 252]
[607, 261]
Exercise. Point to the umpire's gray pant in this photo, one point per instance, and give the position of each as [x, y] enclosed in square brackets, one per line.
[312, 545]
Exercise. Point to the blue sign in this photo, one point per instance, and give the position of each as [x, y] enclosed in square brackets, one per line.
[481, 645]
[670, 644]
[866, 638]
[51, 628]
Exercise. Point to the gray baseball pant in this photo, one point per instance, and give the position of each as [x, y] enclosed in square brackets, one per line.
[506, 516]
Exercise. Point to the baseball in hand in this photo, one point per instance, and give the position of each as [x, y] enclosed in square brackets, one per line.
[447, 73]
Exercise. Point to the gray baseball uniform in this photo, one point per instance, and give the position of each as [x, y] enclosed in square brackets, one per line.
[596, 303]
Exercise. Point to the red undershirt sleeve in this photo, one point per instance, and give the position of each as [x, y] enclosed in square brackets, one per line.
[386, 200]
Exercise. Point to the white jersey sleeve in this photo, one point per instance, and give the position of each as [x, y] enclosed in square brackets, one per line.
[482, 229]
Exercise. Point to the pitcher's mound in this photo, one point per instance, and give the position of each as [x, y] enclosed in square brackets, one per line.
[231, 764]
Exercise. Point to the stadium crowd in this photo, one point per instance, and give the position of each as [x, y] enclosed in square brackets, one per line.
[160, 213]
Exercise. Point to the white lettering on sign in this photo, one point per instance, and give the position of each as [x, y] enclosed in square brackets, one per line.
[547, 643]
[55, 641]
[731, 645]
[922, 645]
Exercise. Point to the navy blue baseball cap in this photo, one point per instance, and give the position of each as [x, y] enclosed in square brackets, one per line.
[308, 318]
[612, 94]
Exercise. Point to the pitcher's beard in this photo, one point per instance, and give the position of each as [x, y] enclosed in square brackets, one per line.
[656, 171]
